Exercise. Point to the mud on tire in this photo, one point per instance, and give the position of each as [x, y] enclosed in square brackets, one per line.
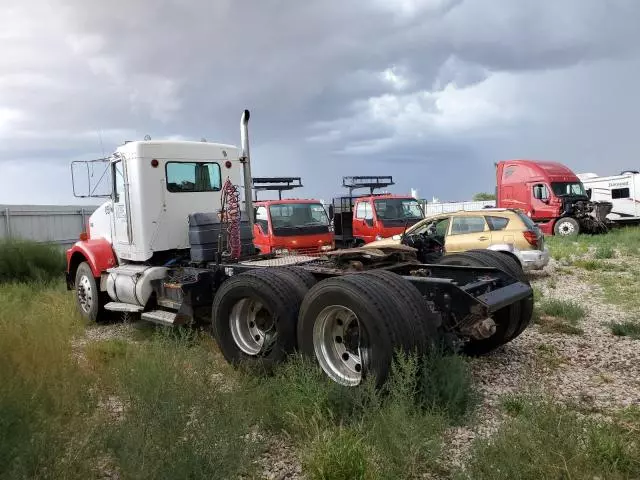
[354, 324]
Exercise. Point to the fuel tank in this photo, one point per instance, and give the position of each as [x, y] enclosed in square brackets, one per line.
[132, 283]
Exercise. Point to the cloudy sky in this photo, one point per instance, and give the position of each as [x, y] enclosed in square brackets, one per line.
[432, 92]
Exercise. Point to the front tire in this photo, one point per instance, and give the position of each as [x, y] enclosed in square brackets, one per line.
[89, 299]
[566, 227]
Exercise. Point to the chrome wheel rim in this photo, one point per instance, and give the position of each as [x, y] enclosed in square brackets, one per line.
[252, 327]
[336, 341]
[85, 294]
[566, 228]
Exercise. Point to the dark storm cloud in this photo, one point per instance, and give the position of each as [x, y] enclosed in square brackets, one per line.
[424, 88]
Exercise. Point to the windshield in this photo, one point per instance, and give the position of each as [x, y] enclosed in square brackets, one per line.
[568, 188]
[398, 209]
[291, 215]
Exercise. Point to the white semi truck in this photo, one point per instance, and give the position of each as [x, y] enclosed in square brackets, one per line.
[173, 244]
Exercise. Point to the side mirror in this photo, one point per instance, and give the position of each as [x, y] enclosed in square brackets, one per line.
[330, 211]
[589, 193]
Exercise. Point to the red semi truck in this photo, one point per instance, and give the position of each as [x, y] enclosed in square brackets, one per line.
[289, 226]
[366, 218]
[551, 195]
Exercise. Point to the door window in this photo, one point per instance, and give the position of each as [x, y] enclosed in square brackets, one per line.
[464, 225]
[540, 192]
[118, 182]
[363, 211]
[262, 220]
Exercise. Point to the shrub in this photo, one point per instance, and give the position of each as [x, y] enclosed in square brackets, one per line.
[626, 328]
[28, 261]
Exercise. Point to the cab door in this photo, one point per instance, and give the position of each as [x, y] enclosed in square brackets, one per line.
[261, 236]
[466, 233]
[120, 216]
[540, 202]
[363, 221]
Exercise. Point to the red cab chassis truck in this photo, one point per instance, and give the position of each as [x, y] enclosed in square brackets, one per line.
[170, 244]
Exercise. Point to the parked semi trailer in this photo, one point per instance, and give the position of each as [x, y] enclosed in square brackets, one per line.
[170, 244]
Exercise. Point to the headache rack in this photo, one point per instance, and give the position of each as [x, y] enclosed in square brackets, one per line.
[275, 184]
[372, 182]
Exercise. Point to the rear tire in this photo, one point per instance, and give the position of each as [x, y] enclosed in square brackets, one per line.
[301, 278]
[254, 318]
[511, 320]
[353, 326]
[90, 300]
[566, 226]
[514, 268]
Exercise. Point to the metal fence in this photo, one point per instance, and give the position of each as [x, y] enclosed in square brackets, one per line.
[446, 207]
[59, 224]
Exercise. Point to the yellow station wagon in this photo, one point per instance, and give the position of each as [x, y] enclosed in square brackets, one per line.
[506, 230]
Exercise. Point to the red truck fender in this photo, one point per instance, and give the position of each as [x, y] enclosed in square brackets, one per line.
[98, 253]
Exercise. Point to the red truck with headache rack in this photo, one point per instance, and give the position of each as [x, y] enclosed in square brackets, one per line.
[366, 218]
[289, 226]
[551, 195]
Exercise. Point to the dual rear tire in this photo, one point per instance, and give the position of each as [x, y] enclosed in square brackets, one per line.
[353, 324]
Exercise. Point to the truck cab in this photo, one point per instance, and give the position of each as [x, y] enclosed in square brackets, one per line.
[550, 194]
[363, 219]
[292, 226]
[289, 226]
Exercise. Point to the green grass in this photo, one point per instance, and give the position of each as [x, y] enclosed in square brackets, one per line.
[544, 440]
[622, 289]
[46, 399]
[391, 433]
[626, 328]
[28, 261]
[559, 316]
[168, 406]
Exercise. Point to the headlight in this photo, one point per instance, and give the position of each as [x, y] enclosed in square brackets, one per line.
[378, 237]
[281, 251]
[325, 248]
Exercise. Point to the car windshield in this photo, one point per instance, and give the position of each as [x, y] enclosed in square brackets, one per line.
[298, 215]
[398, 209]
[568, 188]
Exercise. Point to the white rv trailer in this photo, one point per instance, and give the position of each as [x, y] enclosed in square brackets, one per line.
[623, 191]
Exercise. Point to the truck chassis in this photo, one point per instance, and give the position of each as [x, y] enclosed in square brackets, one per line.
[352, 310]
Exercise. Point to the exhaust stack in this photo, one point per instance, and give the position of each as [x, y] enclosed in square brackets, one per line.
[245, 159]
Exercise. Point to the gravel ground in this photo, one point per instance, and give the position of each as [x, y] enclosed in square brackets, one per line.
[595, 371]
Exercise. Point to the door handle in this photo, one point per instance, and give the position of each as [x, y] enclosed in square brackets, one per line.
[483, 238]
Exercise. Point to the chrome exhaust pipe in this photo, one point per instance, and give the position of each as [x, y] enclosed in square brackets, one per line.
[245, 159]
